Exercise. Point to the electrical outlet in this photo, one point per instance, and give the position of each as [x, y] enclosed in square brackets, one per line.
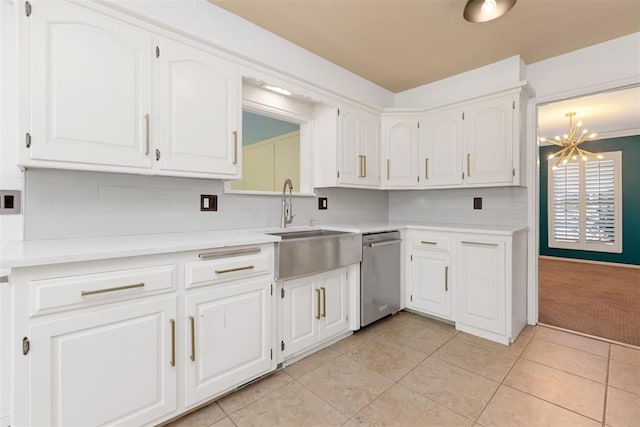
[477, 203]
[323, 203]
[9, 202]
[208, 202]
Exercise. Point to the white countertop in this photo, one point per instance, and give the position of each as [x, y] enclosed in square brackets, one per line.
[41, 252]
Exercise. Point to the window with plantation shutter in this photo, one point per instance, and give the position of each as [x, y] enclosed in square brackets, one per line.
[585, 204]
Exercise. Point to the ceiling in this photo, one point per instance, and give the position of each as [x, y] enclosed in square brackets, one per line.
[402, 44]
[616, 111]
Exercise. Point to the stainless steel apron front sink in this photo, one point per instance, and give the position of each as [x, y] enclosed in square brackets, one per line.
[301, 253]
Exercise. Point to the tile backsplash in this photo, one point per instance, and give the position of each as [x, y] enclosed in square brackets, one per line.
[72, 204]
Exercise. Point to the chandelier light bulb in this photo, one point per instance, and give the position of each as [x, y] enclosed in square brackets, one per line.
[574, 157]
[564, 161]
[551, 156]
[593, 135]
[579, 124]
[599, 156]
[489, 6]
[584, 158]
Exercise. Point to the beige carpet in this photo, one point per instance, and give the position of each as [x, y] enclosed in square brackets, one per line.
[594, 299]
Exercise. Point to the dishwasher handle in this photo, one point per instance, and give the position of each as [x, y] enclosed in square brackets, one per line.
[384, 243]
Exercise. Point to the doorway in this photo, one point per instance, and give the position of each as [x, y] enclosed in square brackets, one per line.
[589, 215]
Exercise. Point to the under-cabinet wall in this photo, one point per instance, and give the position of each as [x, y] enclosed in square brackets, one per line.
[74, 204]
[502, 205]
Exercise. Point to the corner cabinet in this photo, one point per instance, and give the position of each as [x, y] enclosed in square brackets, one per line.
[315, 309]
[399, 151]
[103, 94]
[476, 279]
[477, 143]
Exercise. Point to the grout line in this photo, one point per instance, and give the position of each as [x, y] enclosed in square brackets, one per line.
[593, 337]
[562, 370]
[606, 391]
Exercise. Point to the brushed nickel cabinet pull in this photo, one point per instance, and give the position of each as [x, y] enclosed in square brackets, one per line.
[173, 342]
[318, 299]
[446, 278]
[468, 164]
[426, 168]
[324, 301]
[192, 320]
[117, 288]
[480, 243]
[235, 147]
[227, 254]
[388, 168]
[231, 270]
[426, 242]
[146, 126]
[361, 159]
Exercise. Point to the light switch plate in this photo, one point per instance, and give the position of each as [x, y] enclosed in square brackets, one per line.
[323, 203]
[208, 202]
[10, 202]
[477, 203]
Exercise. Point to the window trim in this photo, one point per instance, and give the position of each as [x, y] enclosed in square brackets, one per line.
[582, 244]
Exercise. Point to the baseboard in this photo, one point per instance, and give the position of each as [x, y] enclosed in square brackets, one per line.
[588, 261]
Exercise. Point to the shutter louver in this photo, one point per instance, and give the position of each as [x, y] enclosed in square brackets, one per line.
[600, 202]
[566, 202]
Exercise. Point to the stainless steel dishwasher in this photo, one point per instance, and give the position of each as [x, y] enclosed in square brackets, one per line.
[379, 276]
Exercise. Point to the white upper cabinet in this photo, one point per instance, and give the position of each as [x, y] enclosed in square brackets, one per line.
[400, 150]
[440, 148]
[199, 111]
[359, 141]
[104, 95]
[90, 84]
[488, 139]
[347, 147]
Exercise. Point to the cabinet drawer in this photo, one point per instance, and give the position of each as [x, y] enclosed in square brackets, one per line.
[229, 264]
[72, 292]
[434, 241]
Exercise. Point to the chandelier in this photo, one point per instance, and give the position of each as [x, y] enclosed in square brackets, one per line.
[570, 143]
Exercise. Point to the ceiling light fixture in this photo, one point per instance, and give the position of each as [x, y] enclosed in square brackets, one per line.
[277, 89]
[570, 142]
[486, 10]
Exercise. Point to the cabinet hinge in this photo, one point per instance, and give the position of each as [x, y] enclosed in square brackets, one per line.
[27, 138]
[282, 293]
[462, 175]
[27, 8]
[411, 298]
[26, 346]
[411, 257]
[418, 178]
[271, 354]
[338, 173]
[513, 105]
[418, 125]
[272, 289]
[347, 318]
[282, 345]
[157, 154]
[463, 115]
[157, 51]
[347, 275]
[338, 111]
[513, 172]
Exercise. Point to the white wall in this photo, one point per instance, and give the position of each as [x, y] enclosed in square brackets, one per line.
[506, 206]
[69, 204]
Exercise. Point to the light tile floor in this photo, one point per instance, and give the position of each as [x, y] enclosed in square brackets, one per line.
[408, 370]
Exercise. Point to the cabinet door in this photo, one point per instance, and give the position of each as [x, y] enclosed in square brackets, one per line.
[227, 337]
[109, 367]
[333, 291]
[441, 148]
[488, 141]
[301, 313]
[90, 88]
[199, 112]
[480, 284]
[399, 167]
[369, 149]
[348, 138]
[430, 282]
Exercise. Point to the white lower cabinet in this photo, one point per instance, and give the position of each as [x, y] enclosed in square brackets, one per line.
[111, 366]
[315, 308]
[477, 280]
[429, 282]
[228, 337]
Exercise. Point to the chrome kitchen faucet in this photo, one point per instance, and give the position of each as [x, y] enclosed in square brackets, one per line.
[287, 208]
